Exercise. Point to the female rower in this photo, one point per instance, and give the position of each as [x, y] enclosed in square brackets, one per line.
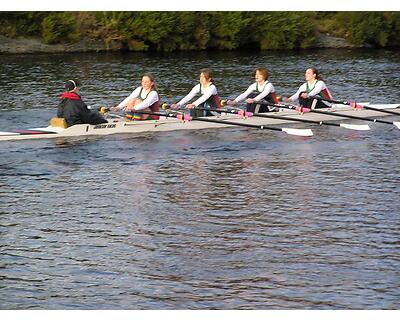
[144, 98]
[313, 86]
[262, 89]
[73, 109]
[208, 99]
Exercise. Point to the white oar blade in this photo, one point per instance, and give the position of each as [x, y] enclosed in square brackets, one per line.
[298, 132]
[361, 127]
[397, 124]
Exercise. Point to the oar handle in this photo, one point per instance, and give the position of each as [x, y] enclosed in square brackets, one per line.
[332, 101]
[224, 103]
[352, 104]
[103, 109]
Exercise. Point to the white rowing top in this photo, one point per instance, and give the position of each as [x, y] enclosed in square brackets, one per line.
[266, 90]
[318, 87]
[206, 94]
[148, 99]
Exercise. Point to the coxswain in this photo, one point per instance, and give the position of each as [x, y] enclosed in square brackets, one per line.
[73, 109]
[314, 86]
[208, 96]
[144, 98]
[262, 89]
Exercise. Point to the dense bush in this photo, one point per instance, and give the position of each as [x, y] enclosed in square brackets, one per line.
[169, 31]
[284, 30]
[375, 28]
[13, 24]
[393, 20]
[224, 29]
[59, 27]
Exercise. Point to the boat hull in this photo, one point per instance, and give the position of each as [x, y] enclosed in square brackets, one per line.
[122, 126]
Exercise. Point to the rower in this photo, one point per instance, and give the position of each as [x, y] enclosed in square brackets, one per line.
[313, 86]
[262, 89]
[208, 99]
[143, 98]
[73, 110]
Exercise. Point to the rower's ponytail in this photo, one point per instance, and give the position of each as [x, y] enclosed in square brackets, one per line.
[315, 71]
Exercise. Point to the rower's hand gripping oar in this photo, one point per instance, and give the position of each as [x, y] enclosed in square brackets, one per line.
[343, 125]
[186, 117]
[107, 114]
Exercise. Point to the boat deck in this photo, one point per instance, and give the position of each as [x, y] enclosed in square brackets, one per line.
[121, 125]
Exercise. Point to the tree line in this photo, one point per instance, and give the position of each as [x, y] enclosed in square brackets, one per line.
[171, 31]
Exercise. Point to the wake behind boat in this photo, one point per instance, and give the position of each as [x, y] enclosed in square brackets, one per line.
[124, 126]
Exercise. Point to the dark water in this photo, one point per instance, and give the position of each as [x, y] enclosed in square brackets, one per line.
[222, 219]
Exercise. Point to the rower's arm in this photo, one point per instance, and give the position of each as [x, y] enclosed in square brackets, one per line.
[245, 94]
[190, 95]
[151, 99]
[211, 90]
[133, 95]
[297, 94]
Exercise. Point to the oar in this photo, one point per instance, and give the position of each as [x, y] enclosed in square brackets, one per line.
[263, 115]
[357, 105]
[335, 114]
[180, 116]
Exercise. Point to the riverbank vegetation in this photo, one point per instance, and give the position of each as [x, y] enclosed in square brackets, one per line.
[169, 31]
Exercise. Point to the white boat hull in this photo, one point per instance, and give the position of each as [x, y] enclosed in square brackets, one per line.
[122, 126]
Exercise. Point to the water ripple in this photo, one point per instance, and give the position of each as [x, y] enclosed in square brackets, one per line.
[214, 219]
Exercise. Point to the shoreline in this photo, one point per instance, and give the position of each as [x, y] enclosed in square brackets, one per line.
[24, 45]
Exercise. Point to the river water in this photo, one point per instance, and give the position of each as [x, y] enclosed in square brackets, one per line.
[212, 219]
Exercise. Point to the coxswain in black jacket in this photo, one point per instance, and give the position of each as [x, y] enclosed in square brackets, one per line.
[75, 111]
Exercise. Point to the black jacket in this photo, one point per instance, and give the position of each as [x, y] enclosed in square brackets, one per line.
[75, 111]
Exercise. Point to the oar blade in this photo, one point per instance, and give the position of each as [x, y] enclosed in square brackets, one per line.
[397, 124]
[360, 127]
[298, 132]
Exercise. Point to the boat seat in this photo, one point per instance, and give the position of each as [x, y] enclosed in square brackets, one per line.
[58, 122]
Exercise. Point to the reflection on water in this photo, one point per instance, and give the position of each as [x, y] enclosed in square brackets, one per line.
[224, 219]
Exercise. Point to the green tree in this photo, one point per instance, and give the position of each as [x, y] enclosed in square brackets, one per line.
[284, 30]
[14, 24]
[364, 27]
[60, 27]
[169, 31]
[225, 29]
[393, 19]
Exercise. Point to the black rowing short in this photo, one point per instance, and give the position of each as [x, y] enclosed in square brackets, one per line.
[312, 103]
